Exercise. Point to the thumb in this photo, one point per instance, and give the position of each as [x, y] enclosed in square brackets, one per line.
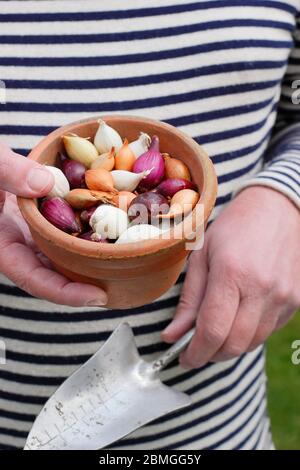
[21, 176]
[190, 299]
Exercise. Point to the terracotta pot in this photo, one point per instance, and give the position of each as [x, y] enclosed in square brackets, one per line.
[131, 274]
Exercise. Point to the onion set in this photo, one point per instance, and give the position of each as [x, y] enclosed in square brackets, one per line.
[147, 205]
[105, 161]
[74, 172]
[106, 137]
[175, 168]
[153, 162]
[182, 203]
[80, 149]
[100, 180]
[60, 214]
[171, 186]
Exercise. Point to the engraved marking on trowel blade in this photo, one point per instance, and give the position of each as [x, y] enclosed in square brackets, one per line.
[76, 427]
[57, 428]
[91, 402]
[59, 408]
[57, 436]
[35, 441]
[87, 423]
[46, 432]
[60, 433]
[102, 381]
[102, 402]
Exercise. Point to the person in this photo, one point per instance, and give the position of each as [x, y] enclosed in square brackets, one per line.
[216, 70]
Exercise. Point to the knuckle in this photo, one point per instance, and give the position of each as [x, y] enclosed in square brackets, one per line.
[264, 282]
[22, 281]
[230, 267]
[233, 349]
[282, 295]
[214, 334]
[184, 302]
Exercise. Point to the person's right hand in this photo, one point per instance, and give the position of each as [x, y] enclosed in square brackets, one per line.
[20, 259]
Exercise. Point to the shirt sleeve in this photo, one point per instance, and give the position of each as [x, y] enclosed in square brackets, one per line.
[282, 160]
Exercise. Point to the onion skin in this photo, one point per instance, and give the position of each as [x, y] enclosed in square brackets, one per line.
[153, 161]
[79, 223]
[175, 168]
[60, 214]
[147, 205]
[84, 198]
[171, 186]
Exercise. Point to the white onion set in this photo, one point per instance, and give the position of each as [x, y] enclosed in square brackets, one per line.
[61, 185]
[140, 145]
[137, 233]
[106, 137]
[109, 221]
[126, 180]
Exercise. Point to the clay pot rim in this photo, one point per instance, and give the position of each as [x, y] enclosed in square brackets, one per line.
[35, 219]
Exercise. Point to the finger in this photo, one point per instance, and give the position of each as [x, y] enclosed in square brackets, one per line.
[243, 329]
[214, 321]
[22, 176]
[19, 263]
[190, 298]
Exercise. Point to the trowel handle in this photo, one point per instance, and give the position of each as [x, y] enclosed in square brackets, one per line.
[170, 354]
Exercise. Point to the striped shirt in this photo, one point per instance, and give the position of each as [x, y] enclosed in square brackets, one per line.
[222, 71]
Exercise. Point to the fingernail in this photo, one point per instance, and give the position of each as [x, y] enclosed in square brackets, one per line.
[96, 302]
[167, 329]
[39, 179]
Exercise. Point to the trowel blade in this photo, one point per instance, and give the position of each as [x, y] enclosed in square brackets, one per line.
[107, 398]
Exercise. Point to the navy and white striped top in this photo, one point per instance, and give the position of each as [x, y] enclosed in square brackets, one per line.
[215, 69]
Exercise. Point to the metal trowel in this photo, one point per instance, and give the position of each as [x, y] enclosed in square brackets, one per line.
[108, 397]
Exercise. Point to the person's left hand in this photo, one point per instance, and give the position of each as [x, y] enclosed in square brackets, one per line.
[245, 283]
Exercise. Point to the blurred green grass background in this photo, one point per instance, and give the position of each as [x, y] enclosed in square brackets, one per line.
[284, 387]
